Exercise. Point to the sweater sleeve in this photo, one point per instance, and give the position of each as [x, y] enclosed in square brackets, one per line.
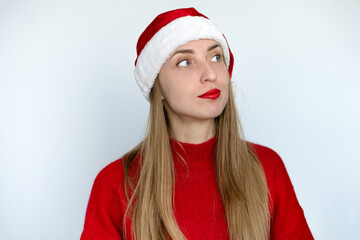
[103, 219]
[287, 217]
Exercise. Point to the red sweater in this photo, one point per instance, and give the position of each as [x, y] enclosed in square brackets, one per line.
[198, 206]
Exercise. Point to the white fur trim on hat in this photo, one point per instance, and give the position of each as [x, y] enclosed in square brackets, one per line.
[166, 40]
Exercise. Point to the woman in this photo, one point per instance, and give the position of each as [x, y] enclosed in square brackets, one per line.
[193, 176]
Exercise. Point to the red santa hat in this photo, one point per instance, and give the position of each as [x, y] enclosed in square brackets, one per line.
[165, 33]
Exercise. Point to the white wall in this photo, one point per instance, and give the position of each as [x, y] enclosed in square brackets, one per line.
[69, 104]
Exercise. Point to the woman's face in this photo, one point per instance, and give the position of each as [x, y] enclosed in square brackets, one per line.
[194, 81]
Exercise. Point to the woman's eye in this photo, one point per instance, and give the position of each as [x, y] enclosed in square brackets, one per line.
[216, 58]
[183, 63]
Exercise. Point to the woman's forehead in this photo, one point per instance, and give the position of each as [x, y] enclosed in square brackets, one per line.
[198, 43]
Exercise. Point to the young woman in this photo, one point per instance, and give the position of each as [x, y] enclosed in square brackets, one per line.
[193, 176]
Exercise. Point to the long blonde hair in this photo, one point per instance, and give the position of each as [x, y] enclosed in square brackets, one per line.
[240, 178]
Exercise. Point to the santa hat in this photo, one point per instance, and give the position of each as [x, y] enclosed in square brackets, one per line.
[165, 33]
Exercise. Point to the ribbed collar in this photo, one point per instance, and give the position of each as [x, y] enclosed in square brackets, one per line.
[200, 158]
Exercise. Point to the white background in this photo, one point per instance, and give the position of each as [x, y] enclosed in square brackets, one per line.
[69, 104]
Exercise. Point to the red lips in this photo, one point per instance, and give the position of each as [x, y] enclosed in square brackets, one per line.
[211, 94]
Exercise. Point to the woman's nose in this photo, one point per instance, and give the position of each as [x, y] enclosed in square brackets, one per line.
[207, 72]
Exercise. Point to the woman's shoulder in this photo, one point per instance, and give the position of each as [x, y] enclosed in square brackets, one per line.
[106, 205]
[269, 159]
[274, 168]
[111, 176]
[111, 171]
[288, 220]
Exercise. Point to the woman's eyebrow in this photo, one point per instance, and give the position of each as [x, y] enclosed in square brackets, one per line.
[216, 45]
[213, 46]
[182, 51]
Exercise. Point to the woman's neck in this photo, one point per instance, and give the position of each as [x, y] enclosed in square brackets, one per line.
[192, 131]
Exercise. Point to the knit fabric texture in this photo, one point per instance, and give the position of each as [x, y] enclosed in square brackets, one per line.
[198, 206]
